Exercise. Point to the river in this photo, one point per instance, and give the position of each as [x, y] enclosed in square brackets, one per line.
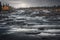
[29, 23]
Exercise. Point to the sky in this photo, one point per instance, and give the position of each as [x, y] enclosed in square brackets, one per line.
[30, 3]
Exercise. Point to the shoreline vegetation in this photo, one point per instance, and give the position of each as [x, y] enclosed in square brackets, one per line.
[53, 8]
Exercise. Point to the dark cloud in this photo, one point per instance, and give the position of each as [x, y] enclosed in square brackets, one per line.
[33, 2]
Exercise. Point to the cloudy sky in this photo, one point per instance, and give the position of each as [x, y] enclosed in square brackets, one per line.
[30, 3]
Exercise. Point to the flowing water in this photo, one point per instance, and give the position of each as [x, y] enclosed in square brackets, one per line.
[29, 21]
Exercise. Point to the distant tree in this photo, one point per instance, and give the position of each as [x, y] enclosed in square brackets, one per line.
[0, 7]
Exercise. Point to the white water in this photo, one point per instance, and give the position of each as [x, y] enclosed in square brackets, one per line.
[22, 21]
